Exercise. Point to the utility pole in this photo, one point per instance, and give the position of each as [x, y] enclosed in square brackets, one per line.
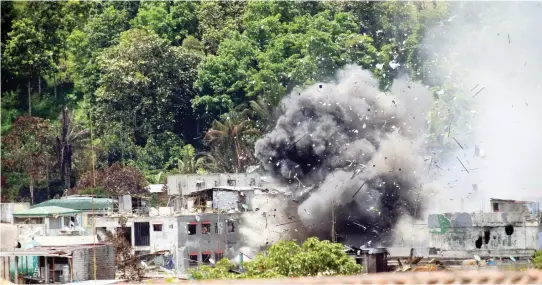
[332, 220]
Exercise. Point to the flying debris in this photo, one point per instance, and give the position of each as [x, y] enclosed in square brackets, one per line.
[336, 147]
[478, 92]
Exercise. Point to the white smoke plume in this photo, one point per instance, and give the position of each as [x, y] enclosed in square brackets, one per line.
[493, 50]
[349, 145]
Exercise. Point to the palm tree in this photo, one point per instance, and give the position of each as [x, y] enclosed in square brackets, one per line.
[72, 137]
[266, 109]
[228, 141]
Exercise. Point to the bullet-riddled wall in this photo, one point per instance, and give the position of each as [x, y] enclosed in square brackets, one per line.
[486, 231]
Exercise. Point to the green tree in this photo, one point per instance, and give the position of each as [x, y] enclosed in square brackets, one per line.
[229, 141]
[172, 21]
[114, 180]
[217, 20]
[72, 138]
[102, 30]
[26, 53]
[287, 259]
[27, 147]
[146, 84]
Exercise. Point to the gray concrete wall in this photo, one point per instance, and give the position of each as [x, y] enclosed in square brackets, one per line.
[225, 200]
[223, 241]
[183, 184]
[83, 263]
[175, 238]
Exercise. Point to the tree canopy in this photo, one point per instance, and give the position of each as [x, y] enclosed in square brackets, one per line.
[287, 259]
[186, 86]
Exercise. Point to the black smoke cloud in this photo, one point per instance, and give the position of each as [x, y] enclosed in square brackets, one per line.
[333, 138]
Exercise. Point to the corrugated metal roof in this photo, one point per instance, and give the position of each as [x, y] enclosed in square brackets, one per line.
[78, 203]
[45, 211]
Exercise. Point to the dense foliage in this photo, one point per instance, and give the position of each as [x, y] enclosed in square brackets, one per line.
[180, 86]
[287, 259]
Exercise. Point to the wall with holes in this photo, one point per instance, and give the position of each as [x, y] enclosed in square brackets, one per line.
[483, 231]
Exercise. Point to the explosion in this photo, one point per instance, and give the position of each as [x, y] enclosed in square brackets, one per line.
[349, 145]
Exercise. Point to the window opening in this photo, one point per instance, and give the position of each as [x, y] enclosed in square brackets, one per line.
[218, 256]
[231, 226]
[206, 228]
[495, 207]
[232, 182]
[487, 236]
[205, 257]
[142, 234]
[157, 227]
[192, 229]
[193, 259]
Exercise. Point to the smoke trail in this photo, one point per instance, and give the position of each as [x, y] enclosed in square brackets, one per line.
[494, 46]
[349, 144]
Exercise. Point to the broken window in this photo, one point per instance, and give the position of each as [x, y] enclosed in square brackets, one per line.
[193, 259]
[157, 227]
[495, 207]
[218, 256]
[509, 230]
[205, 257]
[206, 228]
[192, 228]
[252, 182]
[232, 182]
[231, 226]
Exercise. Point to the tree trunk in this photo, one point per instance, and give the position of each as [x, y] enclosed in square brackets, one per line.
[48, 188]
[31, 191]
[39, 84]
[54, 80]
[29, 99]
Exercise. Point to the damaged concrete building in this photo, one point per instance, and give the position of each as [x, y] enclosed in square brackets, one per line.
[199, 226]
[512, 229]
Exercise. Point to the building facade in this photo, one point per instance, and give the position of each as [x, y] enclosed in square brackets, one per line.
[504, 233]
[191, 239]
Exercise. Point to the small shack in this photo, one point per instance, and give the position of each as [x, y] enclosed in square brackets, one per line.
[373, 260]
[59, 264]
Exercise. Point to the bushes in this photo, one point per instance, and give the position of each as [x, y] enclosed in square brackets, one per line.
[287, 259]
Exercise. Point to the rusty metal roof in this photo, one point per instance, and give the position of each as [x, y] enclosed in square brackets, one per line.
[441, 277]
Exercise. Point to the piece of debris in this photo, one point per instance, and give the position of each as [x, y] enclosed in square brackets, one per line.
[478, 92]
[474, 87]
[462, 164]
[508, 38]
[458, 143]
[359, 189]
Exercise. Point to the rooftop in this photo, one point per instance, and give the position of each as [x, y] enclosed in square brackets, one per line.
[45, 212]
[61, 251]
[511, 201]
[78, 203]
